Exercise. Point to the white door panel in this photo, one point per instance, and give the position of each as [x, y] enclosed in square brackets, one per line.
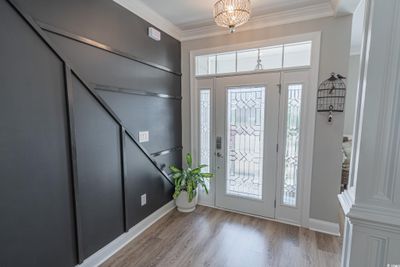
[246, 127]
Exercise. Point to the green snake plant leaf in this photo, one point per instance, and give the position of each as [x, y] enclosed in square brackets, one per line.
[195, 171]
[176, 175]
[204, 186]
[174, 169]
[189, 160]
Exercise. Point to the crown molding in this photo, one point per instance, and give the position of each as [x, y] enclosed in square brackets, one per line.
[137, 7]
[344, 7]
[272, 19]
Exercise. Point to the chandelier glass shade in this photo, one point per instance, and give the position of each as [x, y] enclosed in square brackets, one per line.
[231, 13]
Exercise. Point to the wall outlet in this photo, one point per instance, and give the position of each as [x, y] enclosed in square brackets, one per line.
[143, 199]
[144, 136]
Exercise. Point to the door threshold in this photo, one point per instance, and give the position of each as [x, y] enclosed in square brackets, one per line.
[252, 215]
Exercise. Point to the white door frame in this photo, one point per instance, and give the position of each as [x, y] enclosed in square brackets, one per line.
[309, 116]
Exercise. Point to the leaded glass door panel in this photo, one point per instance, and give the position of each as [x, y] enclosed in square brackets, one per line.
[247, 112]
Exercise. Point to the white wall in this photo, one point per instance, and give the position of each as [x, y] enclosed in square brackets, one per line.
[354, 67]
[335, 48]
[351, 93]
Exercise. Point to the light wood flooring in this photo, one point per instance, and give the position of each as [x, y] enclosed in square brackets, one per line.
[211, 237]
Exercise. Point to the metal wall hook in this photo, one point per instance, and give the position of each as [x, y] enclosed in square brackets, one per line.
[330, 116]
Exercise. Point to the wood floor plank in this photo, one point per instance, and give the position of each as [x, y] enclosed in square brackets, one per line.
[216, 238]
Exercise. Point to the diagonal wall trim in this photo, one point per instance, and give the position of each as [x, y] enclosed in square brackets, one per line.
[91, 90]
[96, 44]
[166, 151]
[133, 91]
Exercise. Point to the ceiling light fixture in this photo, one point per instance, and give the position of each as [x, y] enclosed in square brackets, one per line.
[231, 13]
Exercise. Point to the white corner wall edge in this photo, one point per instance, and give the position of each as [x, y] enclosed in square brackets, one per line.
[344, 7]
[324, 227]
[114, 246]
[140, 9]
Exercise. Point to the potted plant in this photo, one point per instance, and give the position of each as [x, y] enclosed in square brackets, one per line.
[186, 184]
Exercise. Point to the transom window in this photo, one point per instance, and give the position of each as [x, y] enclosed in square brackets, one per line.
[264, 58]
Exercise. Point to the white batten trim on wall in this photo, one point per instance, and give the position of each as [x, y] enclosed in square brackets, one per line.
[140, 9]
[273, 19]
[106, 252]
[324, 227]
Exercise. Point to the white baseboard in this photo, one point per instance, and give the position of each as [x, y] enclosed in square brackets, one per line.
[206, 204]
[324, 227]
[106, 252]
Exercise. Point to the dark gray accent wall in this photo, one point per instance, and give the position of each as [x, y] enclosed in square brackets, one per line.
[143, 178]
[107, 22]
[172, 158]
[160, 116]
[71, 176]
[141, 113]
[100, 184]
[36, 201]
[106, 68]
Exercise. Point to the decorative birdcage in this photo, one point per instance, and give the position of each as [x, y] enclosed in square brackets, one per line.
[331, 95]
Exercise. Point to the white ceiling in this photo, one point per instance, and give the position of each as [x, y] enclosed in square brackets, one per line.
[193, 19]
[190, 14]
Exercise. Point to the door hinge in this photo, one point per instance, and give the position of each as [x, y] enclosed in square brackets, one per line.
[277, 147]
[275, 203]
[279, 87]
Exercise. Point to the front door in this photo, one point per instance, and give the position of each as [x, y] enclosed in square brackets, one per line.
[246, 136]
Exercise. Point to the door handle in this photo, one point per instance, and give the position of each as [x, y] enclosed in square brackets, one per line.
[219, 142]
[219, 155]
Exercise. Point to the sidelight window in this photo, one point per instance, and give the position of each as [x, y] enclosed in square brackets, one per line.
[205, 129]
[292, 141]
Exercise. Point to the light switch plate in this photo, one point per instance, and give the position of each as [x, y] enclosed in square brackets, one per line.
[154, 34]
[144, 137]
[143, 200]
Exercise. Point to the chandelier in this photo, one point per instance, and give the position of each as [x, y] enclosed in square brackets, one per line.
[231, 13]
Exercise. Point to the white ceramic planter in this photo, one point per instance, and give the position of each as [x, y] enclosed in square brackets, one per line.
[183, 204]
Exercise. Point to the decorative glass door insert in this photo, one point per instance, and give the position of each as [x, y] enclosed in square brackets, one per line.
[292, 144]
[245, 130]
